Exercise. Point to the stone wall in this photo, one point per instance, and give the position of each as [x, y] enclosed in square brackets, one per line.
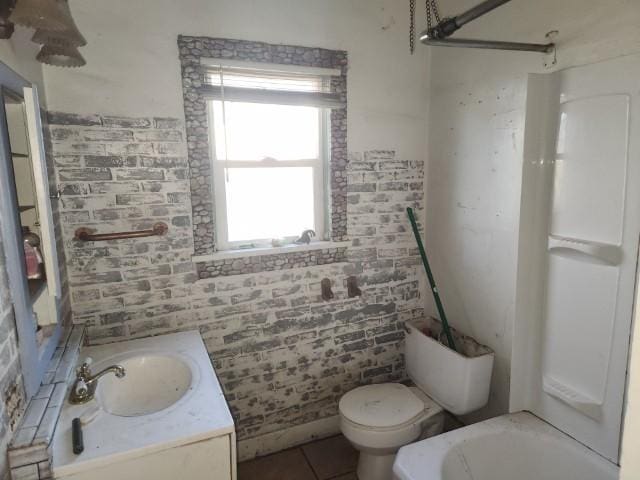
[283, 355]
[271, 262]
[192, 51]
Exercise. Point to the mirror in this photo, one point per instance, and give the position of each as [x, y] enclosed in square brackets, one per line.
[27, 228]
[29, 215]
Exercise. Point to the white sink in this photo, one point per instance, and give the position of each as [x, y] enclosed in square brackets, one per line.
[153, 382]
[170, 398]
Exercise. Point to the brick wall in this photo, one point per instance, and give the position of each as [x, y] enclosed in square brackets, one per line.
[12, 396]
[65, 299]
[283, 355]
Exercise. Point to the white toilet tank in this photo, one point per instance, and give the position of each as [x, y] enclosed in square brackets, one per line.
[458, 381]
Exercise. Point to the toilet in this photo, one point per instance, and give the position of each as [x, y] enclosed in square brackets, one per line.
[379, 419]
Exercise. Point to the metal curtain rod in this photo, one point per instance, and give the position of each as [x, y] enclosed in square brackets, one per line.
[438, 35]
[489, 44]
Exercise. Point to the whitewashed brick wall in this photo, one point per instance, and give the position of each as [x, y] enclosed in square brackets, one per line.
[283, 355]
[12, 395]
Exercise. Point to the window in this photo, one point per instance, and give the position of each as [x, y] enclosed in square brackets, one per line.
[270, 148]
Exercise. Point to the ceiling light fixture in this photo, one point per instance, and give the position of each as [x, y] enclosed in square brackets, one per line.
[60, 56]
[45, 14]
[69, 37]
[6, 25]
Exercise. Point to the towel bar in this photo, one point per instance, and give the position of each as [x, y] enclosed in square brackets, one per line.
[85, 234]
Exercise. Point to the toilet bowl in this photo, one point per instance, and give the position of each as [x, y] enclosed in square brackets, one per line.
[379, 419]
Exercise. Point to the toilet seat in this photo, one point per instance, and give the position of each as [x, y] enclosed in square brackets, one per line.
[379, 419]
[386, 406]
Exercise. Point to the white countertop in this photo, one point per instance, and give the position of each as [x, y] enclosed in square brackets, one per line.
[201, 414]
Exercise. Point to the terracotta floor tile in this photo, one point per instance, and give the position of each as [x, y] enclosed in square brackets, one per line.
[348, 476]
[286, 465]
[331, 457]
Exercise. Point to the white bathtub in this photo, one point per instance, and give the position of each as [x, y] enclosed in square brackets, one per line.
[511, 447]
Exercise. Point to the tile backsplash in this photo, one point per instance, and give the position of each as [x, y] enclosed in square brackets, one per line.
[30, 450]
[12, 400]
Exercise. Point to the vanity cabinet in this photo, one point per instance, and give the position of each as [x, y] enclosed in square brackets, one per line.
[140, 424]
[205, 460]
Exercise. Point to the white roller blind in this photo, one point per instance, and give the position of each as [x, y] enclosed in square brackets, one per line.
[285, 87]
[267, 80]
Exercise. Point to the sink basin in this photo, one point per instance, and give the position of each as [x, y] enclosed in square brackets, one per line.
[152, 383]
[166, 418]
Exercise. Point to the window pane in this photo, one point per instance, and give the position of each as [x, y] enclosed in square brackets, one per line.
[256, 131]
[265, 203]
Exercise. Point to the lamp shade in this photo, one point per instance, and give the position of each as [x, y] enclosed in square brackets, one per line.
[45, 14]
[69, 37]
[60, 56]
[6, 26]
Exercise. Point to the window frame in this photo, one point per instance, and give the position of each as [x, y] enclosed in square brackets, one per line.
[320, 180]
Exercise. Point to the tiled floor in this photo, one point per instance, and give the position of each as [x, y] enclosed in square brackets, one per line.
[332, 458]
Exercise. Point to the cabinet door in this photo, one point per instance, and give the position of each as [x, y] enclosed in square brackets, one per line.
[204, 460]
[41, 178]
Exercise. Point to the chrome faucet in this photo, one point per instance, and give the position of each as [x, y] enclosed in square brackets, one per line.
[84, 388]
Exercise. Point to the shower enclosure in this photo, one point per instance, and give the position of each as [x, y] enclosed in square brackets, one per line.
[578, 249]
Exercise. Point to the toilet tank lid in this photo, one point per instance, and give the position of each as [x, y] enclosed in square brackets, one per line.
[382, 405]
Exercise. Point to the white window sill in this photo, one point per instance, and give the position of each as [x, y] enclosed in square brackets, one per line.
[256, 252]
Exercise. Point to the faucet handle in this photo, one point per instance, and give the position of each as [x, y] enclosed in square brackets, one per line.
[84, 370]
[81, 388]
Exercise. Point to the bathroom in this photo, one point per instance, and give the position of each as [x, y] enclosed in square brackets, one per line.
[135, 132]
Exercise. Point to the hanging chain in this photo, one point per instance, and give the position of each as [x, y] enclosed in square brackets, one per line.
[436, 12]
[412, 25]
[432, 12]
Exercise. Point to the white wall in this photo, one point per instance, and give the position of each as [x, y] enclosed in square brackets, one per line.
[476, 114]
[476, 131]
[19, 53]
[630, 460]
[133, 69]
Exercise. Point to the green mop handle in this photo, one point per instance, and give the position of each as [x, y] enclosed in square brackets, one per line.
[432, 281]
